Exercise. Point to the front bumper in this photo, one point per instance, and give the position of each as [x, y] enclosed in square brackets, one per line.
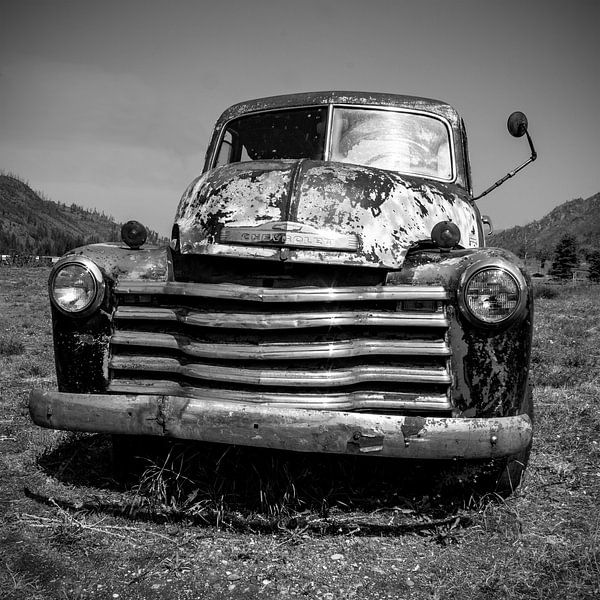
[300, 430]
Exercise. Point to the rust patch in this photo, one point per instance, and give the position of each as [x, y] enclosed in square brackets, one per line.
[412, 426]
[362, 442]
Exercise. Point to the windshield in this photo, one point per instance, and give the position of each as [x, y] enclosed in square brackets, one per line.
[407, 142]
[297, 133]
[397, 141]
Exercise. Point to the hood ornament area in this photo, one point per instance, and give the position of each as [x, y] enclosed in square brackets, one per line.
[289, 234]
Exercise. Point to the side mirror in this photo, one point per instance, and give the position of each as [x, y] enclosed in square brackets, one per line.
[517, 124]
[517, 127]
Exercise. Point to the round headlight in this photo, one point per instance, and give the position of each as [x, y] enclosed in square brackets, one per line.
[77, 287]
[493, 294]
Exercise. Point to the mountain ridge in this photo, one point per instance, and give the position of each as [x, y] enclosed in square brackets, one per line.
[578, 217]
[32, 224]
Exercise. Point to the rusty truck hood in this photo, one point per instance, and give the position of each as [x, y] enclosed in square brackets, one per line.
[315, 211]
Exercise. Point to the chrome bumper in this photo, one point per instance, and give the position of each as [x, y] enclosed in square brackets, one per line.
[301, 430]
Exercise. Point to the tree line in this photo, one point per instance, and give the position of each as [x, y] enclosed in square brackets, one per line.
[43, 240]
[54, 242]
[567, 259]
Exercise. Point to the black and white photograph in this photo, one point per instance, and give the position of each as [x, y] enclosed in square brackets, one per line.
[299, 300]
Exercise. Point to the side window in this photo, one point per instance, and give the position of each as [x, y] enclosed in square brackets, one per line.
[226, 150]
[231, 149]
[244, 154]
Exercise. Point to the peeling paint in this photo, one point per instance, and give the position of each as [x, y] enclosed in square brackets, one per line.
[413, 426]
[117, 260]
[386, 211]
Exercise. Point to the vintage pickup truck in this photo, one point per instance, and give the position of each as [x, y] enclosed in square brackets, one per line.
[327, 288]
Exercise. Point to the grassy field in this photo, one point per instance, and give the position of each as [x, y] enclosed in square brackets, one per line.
[234, 523]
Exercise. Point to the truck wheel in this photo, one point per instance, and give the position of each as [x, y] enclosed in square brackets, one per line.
[511, 469]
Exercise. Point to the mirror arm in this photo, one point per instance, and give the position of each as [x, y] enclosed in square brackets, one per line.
[533, 151]
[513, 172]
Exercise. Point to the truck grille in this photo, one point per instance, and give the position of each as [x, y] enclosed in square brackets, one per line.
[381, 349]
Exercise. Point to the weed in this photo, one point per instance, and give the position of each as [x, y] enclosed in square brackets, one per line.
[31, 370]
[204, 481]
[19, 585]
[11, 346]
[164, 484]
[546, 291]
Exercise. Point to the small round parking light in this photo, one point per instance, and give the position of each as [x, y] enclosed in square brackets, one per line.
[134, 234]
[445, 235]
[76, 287]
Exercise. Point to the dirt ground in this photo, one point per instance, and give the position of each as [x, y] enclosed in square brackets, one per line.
[203, 521]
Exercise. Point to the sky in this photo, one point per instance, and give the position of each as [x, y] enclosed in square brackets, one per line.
[110, 104]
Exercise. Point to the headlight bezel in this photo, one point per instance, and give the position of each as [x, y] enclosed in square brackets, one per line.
[493, 265]
[99, 285]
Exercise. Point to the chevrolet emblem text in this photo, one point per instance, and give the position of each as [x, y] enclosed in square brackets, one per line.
[295, 235]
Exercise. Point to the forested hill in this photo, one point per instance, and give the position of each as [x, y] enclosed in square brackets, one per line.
[579, 218]
[31, 224]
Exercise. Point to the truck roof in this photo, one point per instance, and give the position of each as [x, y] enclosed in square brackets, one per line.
[341, 97]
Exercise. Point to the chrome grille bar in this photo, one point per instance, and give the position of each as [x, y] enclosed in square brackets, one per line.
[228, 291]
[294, 320]
[355, 400]
[281, 350]
[287, 377]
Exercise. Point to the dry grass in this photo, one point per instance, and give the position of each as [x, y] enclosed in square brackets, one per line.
[11, 346]
[206, 521]
[567, 338]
